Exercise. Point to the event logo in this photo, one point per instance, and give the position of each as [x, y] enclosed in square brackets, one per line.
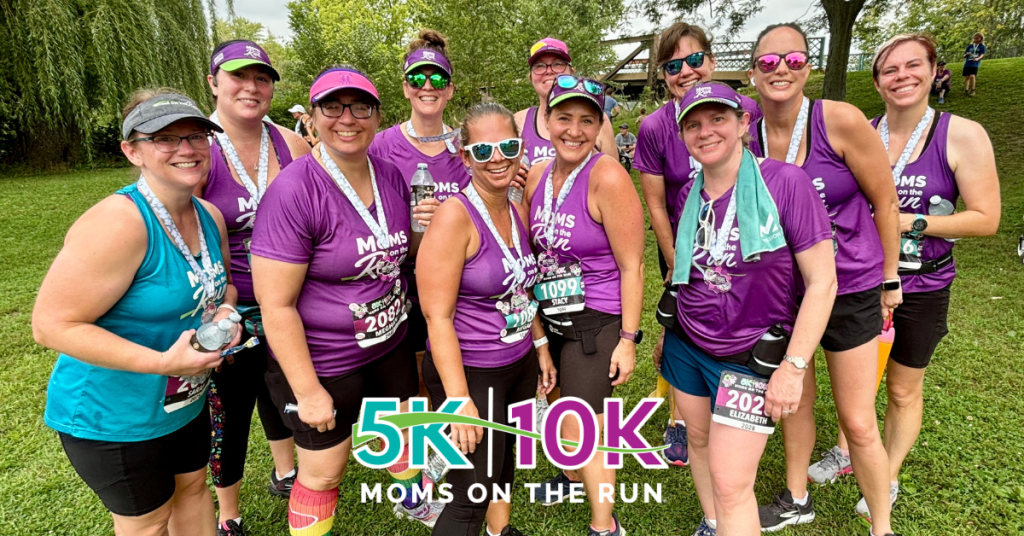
[253, 52]
[427, 55]
[380, 419]
[703, 91]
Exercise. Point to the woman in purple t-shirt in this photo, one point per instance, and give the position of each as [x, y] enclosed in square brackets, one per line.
[247, 157]
[936, 158]
[835, 145]
[329, 239]
[478, 272]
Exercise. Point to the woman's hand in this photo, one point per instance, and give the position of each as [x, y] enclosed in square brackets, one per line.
[891, 299]
[623, 360]
[424, 211]
[548, 377]
[519, 180]
[658, 347]
[784, 390]
[317, 409]
[183, 360]
[466, 436]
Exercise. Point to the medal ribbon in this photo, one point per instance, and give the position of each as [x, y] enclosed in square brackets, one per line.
[518, 272]
[446, 137]
[256, 190]
[379, 228]
[549, 194]
[901, 164]
[796, 138]
[721, 237]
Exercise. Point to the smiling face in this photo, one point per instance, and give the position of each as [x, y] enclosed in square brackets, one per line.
[346, 136]
[679, 84]
[184, 168]
[427, 101]
[713, 133]
[542, 82]
[574, 125]
[244, 94]
[905, 77]
[781, 84]
[496, 174]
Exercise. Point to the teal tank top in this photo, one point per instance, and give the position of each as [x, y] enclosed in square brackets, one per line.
[90, 402]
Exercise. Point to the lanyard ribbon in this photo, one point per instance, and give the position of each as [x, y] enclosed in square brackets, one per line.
[915, 137]
[517, 270]
[796, 138]
[256, 190]
[446, 137]
[549, 194]
[379, 228]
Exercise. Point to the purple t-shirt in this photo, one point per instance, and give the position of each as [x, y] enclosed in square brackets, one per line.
[239, 209]
[922, 179]
[580, 239]
[537, 147]
[859, 255]
[493, 324]
[660, 151]
[352, 306]
[763, 293]
[450, 175]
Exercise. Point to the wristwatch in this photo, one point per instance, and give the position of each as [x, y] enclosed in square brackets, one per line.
[919, 225]
[635, 337]
[797, 362]
[891, 284]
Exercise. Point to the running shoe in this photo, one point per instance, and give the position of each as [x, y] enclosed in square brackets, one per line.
[831, 466]
[619, 531]
[542, 408]
[783, 512]
[862, 504]
[973, 92]
[230, 528]
[427, 512]
[559, 487]
[942, 101]
[283, 487]
[675, 438]
[509, 530]
[704, 529]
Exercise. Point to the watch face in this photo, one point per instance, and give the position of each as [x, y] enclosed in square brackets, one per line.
[639, 336]
[920, 224]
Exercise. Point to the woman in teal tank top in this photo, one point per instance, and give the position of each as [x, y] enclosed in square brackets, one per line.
[138, 273]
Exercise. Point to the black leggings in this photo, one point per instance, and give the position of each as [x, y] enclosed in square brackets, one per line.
[234, 391]
[512, 383]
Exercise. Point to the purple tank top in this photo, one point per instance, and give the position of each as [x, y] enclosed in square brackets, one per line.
[579, 239]
[922, 179]
[537, 147]
[239, 209]
[858, 250]
[450, 175]
[490, 334]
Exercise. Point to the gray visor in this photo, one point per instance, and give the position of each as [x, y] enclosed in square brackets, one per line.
[162, 110]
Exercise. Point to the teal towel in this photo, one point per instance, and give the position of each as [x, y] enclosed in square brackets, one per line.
[756, 215]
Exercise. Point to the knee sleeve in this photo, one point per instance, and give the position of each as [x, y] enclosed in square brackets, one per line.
[311, 513]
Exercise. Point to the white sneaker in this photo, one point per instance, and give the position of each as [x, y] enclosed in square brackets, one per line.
[830, 467]
[862, 504]
[427, 512]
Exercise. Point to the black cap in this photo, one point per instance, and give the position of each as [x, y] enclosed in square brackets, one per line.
[158, 112]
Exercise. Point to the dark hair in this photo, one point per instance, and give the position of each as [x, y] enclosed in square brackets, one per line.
[480, 111]
[347, 67]
[791, 25]
[643, 111]
[429, 39]
[142, 95]
[668, 40]
[886, 49]
[745, 138]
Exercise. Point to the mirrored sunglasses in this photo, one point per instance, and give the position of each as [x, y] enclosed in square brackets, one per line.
[417, 80]
[795, 61]
[483, 151]
[568, 81]
[695, 60]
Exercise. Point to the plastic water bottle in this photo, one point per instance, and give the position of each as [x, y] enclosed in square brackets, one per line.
[515, 193]
[213, 336]
[937, 206]
[422, 188]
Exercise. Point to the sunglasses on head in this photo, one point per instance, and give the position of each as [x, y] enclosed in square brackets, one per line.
[568, 81]
[694, 60]
[795, 61]
[437, 80]
[483, 151]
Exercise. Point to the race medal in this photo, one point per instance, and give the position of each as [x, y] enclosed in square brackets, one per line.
[910, 253]
[718, 280]
[387, 268]
[376, 321]
[519, 312]
[740, 403]
[182, 391]
[561, 289]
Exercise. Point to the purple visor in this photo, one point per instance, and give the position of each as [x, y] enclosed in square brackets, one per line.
[338, 79]
[569, 86]
[706, 92]
[425, 56]
[241, 54]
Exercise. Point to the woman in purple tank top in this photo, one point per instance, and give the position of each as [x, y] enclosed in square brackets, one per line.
[936, 158]
[835, 145]
[478, 271]
[586, 226]
[246, 158]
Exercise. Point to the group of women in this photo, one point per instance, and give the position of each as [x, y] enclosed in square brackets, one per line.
[498, 301]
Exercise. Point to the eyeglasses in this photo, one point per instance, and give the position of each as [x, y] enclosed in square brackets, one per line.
[166, 143]
[769, 62]
[418, 80]
[694, 60]
[336, 109]
[557, 67]
[568, 81]
[483, 151]
[706, 217]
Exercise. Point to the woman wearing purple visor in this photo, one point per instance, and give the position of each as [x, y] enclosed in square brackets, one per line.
[329, 239]
[738, 352]
[587, 229]
[246, 158]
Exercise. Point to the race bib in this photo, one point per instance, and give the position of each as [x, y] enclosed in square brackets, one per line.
[910, 253]
[376, 321]
[519, 312]
[560, 289]
[184, 390]
[740, 403]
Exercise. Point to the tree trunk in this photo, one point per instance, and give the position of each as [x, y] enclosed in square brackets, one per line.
[842, 14]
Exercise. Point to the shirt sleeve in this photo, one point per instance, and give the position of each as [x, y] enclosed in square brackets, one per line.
[648, 157]
[804, 218]
[284, 228]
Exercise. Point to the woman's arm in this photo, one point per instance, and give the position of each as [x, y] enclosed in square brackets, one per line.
[653, 187]
[618, 209]
[548, 376]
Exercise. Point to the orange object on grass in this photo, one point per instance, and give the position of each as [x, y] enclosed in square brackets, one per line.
[884, 347]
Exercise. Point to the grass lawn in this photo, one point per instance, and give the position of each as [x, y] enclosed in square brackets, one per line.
[963, 477]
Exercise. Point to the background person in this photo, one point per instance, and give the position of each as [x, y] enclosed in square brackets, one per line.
[302, 120]
[246, 158]
[611, 106]
[625, 140]
[941, 84]
[640, 118]
[973, 55]
[128, 393]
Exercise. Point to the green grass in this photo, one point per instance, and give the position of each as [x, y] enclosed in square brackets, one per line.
[963, 477]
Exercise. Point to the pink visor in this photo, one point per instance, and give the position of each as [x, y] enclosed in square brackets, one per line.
[337, 79]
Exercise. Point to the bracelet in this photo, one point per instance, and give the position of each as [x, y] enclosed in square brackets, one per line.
[227, 306]
[537, 343]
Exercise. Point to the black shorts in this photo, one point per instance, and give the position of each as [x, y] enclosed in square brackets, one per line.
[582, 375]
[417, 333]
[942, 87]
[392, 376]
[133, 478]
[856, 319]
[920, 323]
[970, 71]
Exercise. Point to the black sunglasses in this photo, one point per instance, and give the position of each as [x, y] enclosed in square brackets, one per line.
[694, 60]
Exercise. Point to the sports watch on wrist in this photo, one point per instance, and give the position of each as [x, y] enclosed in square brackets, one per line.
[634, 337]
[919, 225]
[797, 362]
[891, 284]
